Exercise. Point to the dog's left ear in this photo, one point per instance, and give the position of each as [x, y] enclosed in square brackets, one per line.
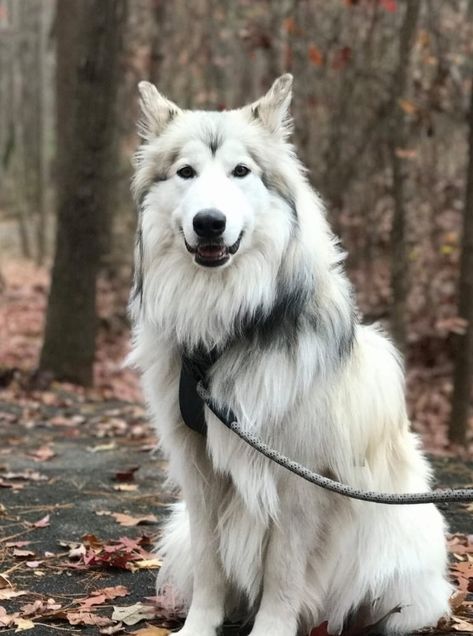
[273, 108]
[157, 111]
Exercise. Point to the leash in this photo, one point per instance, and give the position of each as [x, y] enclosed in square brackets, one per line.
[229, 420]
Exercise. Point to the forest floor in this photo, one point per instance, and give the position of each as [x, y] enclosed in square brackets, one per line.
[82, 498]
[81, 489]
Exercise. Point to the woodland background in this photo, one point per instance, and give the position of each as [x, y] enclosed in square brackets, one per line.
[383, 111]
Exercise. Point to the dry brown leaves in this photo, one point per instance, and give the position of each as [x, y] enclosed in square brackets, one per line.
[82, 611]
[124, 553]
[22, 320]
[93, 609]
[127, 520]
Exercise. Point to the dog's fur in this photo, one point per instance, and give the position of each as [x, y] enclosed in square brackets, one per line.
[295, 367]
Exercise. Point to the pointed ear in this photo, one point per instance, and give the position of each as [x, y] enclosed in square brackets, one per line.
[273, 108]
[156, 110]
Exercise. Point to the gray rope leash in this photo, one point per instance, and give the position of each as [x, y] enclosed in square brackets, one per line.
[438, 496]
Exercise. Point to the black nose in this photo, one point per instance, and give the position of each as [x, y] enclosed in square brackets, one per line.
[209, 223]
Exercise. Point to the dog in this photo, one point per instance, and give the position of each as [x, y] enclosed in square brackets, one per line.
[236, 266]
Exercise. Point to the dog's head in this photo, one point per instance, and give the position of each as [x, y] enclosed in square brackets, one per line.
[212, 184]
[232, 239]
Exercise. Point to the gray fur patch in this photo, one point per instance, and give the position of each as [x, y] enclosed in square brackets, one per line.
[138, 278]
[273, 184]
[214, 142]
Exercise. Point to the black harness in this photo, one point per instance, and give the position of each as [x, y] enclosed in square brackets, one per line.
[194, 369]
[193, 395]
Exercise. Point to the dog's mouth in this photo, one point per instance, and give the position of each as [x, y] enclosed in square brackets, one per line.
[213, 253]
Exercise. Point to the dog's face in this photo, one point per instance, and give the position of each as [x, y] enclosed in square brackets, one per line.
[215, 190]
[207, 176]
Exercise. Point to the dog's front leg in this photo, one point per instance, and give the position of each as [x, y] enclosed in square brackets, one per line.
[285, 567]
[206, 612]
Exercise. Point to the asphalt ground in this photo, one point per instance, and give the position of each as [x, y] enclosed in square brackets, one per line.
[68, 464]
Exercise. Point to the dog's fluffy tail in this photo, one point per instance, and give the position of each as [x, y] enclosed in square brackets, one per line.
[174, 547]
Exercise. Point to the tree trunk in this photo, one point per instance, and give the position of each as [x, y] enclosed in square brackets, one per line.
[157, 48]
[89, 36]
[398, 140]
[463, 373]
[41, 155]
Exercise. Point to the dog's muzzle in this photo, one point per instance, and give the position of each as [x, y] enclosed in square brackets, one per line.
[213, 252]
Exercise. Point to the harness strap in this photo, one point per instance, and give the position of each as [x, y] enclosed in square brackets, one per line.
[193, 397]
[194, 369]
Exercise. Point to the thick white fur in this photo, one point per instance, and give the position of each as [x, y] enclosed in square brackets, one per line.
[251, 535]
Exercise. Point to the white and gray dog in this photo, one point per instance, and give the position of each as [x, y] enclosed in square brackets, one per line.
[236, 265]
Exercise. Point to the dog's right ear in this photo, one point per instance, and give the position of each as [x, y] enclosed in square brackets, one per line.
[156, 110]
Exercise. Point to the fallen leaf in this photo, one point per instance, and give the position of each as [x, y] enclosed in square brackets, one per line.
[6, 594]
[6, 619]
[102, 448]
[26, 475]
[4, 582]
[100, 596]
[321, 630]
[147, 564]
[10, 484]
[42, 523]
[92, 541]
[22, 624]
[461, 625]
[30, 609]
[113, 592]
[126, 487]
[113, 629]
[133, 614]
[77, 552]
[456, 600]
[127, 474]
[17, 544]
[127, 520]
[87, 603]
[87, 618]
[43, 454]
[152, 631]
[22, 553]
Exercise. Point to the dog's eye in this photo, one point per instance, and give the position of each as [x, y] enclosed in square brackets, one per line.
[187, 172]
[240, 171]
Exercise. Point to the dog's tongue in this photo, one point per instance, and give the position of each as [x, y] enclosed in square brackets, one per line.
[211, 251]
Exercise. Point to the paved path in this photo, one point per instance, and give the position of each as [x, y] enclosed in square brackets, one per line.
[71, 459]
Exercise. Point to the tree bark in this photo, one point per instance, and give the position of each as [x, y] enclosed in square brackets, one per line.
[463, 373]
[89, 38]
[157, 48]
[41, 155]
[398, 140]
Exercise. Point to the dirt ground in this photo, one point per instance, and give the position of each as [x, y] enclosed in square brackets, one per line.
[67, 466]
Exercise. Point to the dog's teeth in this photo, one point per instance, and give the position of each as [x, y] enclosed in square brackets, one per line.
[212, 252]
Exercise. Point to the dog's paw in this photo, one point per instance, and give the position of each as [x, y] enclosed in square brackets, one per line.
[274, 626]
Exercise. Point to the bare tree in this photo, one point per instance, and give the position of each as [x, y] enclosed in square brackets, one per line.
[399, 262]
[463, 373]
[89, 38]
[157, 50]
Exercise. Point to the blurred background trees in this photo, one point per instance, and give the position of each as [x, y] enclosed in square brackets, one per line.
[382, 90]
[89, 38]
